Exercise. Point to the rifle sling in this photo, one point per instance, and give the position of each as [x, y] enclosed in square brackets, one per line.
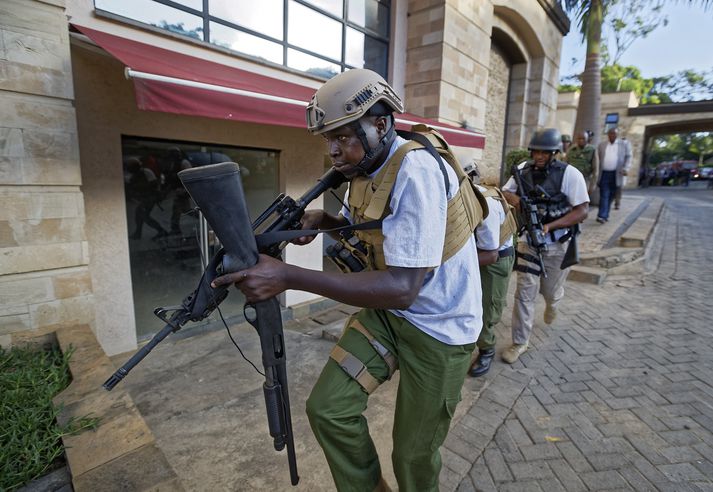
[522, 268]
[270, 238]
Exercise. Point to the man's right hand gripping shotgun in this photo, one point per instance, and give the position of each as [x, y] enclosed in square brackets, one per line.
[531, 224]
[217, 191]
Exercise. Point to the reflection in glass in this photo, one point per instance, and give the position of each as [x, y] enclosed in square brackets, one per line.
[245, 43]
[366, 52]
[264, 16]
[194, 4]
[313, 31]
[164, 251]
[155, 14]
[370, 14]
[354, 54]
[312, 64]
[334, 7]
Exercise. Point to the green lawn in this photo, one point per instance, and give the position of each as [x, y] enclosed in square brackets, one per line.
[30, 438]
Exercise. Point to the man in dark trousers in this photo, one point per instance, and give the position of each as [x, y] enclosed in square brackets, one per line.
[420, 295]
[614, 163]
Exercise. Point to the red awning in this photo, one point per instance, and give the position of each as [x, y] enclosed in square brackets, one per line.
[172, 82]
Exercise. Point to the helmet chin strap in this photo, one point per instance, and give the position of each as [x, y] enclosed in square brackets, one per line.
[366, 164]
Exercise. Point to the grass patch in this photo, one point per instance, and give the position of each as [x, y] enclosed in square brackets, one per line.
[30, 437]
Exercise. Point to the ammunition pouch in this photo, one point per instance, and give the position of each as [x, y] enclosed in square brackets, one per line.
[350, 254]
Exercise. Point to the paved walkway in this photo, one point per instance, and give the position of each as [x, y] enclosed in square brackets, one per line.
[621, 388]
[617, 394]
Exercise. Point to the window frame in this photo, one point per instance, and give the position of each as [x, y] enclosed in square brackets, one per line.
[345, 23]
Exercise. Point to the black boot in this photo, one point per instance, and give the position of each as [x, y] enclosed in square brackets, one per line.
[482, 365]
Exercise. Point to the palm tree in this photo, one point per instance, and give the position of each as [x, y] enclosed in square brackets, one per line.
[590, 15]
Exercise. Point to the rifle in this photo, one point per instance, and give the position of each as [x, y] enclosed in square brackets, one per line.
[531, 224]
[217, 191]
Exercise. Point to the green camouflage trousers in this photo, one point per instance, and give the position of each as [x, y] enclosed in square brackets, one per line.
[494, 279]
[430, 379]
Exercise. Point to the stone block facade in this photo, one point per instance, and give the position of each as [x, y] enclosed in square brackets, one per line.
[488, 65]
[44, 254]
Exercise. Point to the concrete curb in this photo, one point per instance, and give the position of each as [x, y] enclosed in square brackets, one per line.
[628, 256]
[638, 233]
[121, 453]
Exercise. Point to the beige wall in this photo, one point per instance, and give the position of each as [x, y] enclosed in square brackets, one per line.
[105, 111]
[44, 279]
[448, 69]
[58, 268]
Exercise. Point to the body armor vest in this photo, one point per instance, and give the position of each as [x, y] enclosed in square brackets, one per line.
[369, 200]
[544, 188]
[509, 227]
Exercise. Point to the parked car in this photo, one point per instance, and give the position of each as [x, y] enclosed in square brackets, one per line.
[704, 173]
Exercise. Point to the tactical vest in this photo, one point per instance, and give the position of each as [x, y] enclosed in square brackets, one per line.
[369, 199]
[544, 189]
[509, 227]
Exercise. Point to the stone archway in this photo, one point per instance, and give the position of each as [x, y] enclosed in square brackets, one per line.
[506, 79]
[498, 97]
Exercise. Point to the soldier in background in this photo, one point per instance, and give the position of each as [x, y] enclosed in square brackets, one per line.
[566, 144]
[583, 156]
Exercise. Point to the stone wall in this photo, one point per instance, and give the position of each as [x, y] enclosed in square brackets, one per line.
[448, 68]
[44, 279]
[498, 84]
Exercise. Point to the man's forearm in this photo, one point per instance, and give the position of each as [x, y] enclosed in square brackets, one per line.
[381, 289]
[573, 217]
[487, 257]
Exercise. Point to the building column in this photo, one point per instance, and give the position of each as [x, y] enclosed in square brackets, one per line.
[44, 276]
[448, 53]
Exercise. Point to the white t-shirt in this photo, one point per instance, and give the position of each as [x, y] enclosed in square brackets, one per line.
[487, 234]
[611, 156]
[448, 307]
[573, 186]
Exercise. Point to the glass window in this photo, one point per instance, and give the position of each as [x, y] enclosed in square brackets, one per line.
[155, 14]
[194, 4]
[264, 16]
[314, 35]
[365, 52]
[313, 31]
[334, 7]
[165, 250]
[354, 55]
[312, 64]
[370, 14]
[243, 42]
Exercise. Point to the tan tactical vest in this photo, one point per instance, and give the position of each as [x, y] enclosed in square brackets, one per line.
[369, 200]
[509, 227]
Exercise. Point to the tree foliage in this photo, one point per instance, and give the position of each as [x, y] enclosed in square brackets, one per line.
[686, 85]
[590, 15]
[697, 146]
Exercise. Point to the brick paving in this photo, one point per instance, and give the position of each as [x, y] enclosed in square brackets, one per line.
[618, 393]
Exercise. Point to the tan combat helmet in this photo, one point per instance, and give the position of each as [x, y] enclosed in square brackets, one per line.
[346, 97]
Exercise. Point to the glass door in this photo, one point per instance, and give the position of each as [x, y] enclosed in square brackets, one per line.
[169, 242]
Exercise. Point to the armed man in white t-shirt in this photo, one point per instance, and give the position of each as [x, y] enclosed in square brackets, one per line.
[418, 288]
[552, 199]
[496, 255]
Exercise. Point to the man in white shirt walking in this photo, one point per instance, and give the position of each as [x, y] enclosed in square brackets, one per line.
[615, 161]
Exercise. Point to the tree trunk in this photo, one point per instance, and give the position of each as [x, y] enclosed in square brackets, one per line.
[590, 99]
